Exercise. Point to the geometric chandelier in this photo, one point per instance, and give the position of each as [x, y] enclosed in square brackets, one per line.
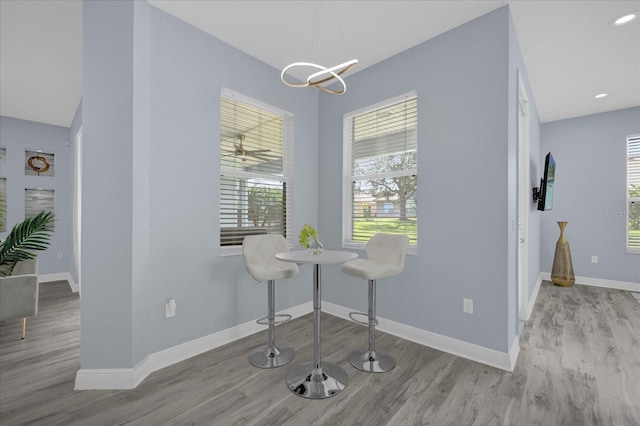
[324, 75]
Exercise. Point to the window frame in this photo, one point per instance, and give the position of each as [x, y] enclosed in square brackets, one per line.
[349, 178]
[287, 167]
[629, 200]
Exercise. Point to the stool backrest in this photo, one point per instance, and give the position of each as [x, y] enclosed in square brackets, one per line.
[261, 249]
[260, 257]
[388, 248]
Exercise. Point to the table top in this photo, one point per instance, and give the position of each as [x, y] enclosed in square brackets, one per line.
[326, 257]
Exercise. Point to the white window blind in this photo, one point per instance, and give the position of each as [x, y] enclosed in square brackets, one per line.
[380, 171]
[633, 193]
[256, 167]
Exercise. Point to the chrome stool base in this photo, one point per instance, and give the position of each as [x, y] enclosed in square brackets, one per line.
[372, 361]
[309, 382]
[271, 356]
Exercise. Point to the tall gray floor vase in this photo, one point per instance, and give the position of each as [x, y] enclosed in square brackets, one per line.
[562, 271]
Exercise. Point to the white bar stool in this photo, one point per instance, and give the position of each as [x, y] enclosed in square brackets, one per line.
[385, 258]
[259, 255]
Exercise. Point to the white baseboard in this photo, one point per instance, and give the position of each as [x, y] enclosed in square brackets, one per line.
[599, 282]
[129, 378]
[515, 347]
[514, 352]
[107, 378]
[60, 276]
[533, 297]
[502, 360]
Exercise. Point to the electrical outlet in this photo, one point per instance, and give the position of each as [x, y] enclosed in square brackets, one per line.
[467, 306]
[594, 259]
[60, 255]
[170, 308]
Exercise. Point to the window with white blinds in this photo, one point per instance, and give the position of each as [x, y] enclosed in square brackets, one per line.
[380, 185]
[633, 193]
[256, 153]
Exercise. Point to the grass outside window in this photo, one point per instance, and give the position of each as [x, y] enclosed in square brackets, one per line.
[366, 228]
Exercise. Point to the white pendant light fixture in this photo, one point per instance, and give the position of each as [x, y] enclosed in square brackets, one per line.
[625, 19]
[324, 76]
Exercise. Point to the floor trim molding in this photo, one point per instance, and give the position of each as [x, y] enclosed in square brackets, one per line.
[60, 276]
[502, 360]
[513, 353]
[599, 282]
[533, 297]
[129, 378]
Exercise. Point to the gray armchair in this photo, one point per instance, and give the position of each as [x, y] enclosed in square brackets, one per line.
[19, 293]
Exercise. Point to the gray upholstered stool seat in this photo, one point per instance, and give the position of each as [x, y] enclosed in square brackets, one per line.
[385, 258]
[19, 293]
[259, 255]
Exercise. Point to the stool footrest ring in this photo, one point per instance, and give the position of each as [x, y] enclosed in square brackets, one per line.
[265, 320]
[370, 321]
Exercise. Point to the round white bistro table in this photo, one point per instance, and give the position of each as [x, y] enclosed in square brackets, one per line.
[316, 379]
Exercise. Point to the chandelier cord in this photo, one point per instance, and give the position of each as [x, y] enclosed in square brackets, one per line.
[314, 40]
[342, 43]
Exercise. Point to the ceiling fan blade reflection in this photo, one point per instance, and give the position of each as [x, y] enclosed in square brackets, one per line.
[265, 159]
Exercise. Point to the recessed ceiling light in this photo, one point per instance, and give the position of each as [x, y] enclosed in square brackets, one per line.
[600, 96]
[625, 19]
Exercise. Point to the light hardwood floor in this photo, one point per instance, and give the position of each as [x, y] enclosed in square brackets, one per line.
[579, 364]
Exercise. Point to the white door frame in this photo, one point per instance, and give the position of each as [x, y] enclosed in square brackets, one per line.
[524, 190]
[77, 207]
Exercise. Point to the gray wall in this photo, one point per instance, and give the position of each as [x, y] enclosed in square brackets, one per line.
[20, 135]
[590, 154]
[150, 120]
[151, 100]
[466, 150]
[150, 116]
[106, 339]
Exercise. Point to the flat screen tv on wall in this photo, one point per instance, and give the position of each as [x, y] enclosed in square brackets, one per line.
[544, 194]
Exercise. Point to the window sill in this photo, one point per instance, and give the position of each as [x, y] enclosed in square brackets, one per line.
[412, 250]
[230, 251]
[226, 251]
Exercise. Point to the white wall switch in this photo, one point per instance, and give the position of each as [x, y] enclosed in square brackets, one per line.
[170, 308]
[60, 255]
[594, 259]
[467, 306]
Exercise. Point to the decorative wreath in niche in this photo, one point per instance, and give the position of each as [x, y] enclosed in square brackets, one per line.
[43, 165]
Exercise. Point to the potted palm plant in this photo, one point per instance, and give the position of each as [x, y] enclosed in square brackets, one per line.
[33, 234]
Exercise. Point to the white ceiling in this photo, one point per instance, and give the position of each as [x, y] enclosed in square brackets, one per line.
[40, 60]
[571, 50]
